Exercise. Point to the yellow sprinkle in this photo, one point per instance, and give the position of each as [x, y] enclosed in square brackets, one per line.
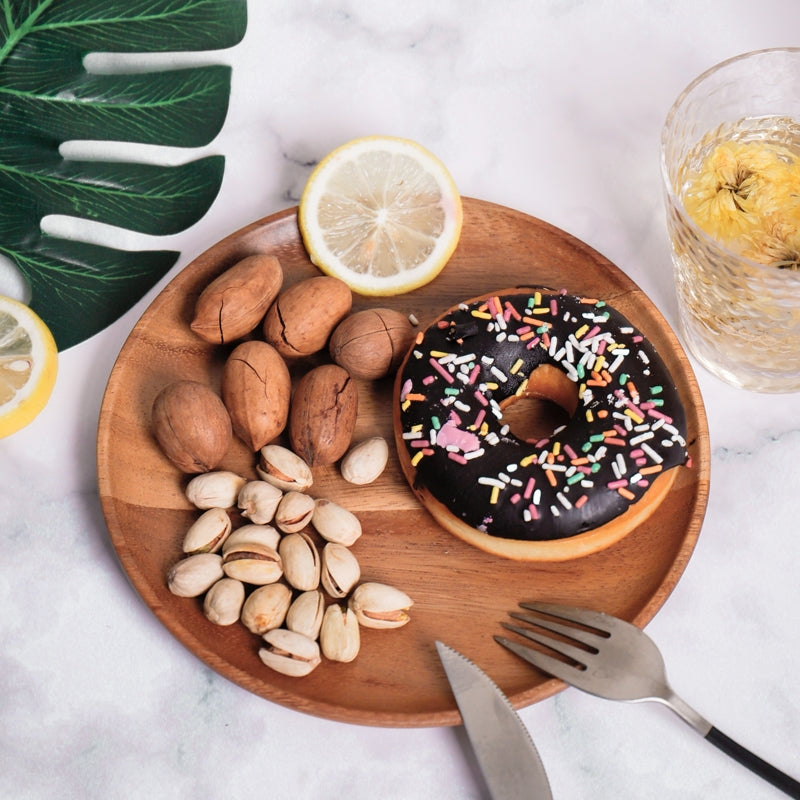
[599, 362]
[527, 460]
[516, 367]
[556, 448]
[537, 298]
[481, 314]
[417, 427]
[405, 405]
[494, 495]
[522, 387]
[634, 416]
[484, 429]
[541, 311]
[417, 458]
[438, 354]
[493, 386]
[589, 415]
[581, 331]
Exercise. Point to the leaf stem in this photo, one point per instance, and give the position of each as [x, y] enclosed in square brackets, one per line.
[16, 34]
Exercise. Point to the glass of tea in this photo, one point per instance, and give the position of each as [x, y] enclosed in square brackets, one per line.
[730, 160]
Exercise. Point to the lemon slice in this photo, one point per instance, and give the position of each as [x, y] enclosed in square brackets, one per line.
[382, 214]
[28, 365]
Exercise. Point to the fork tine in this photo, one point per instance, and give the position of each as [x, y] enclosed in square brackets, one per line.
[588, 638]
[569, 650]
[583, 616]
[547, 664]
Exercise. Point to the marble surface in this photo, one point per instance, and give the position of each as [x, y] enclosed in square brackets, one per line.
[553, 107]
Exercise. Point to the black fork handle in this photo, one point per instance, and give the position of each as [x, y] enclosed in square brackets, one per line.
[747, 759]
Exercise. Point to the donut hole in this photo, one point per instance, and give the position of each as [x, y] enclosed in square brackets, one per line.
[548, 402]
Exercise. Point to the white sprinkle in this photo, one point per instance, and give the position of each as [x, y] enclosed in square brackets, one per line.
[652, 453]
[498, 374]
[474, 454]
[503, 477]
[563, 500]
[512, 467]
[554, 467]
[554, 511]
[587, 484]
[413, 435]
[446, 359]
[491, 482]
[462, 406]
[642, 437]
[465, 359]
[537, 497]
[413, 320]
[487, 360]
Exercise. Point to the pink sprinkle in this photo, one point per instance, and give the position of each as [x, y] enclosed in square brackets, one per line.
[553, 308]
[659, 415]
[441, 370]
[442, 324]
[428, 379]
[601, 348]
[638, 338]
[529, 488]
[493, 309]
[569, 451]
[585, 470]
[407, 386]
[592, 332]
[473, 376]
[534, 511]
[511, 311]
[637, 453]
[427, 451]
[454, 418]
[533, 342]
[457, 457]
[620, 430]
[617, 484]
[515, 498]
[480, 398]
[640, 462]
[420, 443]
[523, 329]
[479, 419]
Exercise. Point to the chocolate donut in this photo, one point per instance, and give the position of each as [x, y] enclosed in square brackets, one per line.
[561, 493]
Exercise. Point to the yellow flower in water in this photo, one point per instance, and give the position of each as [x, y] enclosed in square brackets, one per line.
[777, 244]
[738, 184]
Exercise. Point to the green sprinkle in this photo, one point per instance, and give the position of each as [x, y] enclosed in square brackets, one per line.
[452, 390]
[436, 423]
[578, 476]
[598, 437]
[623, 378]
[656, 389]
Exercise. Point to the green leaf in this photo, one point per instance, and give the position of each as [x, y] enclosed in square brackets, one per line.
[47, 97]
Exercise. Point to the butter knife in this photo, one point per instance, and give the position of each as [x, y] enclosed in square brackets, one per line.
[507, 756]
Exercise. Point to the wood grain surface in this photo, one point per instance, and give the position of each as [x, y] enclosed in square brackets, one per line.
[461, 594]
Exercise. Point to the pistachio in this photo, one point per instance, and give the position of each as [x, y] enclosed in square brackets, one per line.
[266, 608]
[208, 532]
[258, 501]
[335, 523]
[301, 561]
[339, 636]
[305, 613]
[258, 534]
[217, 489]
[378, 605]
[283, 468]
[193, 575]
[289, 652]
[340, 570]
[294, 512]
[253, 563]
[223, 601]
[365, 461]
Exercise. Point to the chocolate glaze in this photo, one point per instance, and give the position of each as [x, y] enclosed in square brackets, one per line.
[629, 424]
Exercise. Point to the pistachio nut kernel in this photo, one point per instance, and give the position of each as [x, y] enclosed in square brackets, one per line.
[339, 637]
[378, 605]
[305, 613]
[283, 468]
[335, 523]
[195, 574]
[365, 461]
[340, 570]
[252, 563]
[289, 652]
[208, 532]
[258, 534]
[223, 602]
[217, 489]
[266, 608]
[294, 512]
[301, 561]
[258, 501]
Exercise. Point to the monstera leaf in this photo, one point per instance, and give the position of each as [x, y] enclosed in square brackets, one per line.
[48, 97]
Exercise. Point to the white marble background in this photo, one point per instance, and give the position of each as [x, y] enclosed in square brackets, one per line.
[550, 106]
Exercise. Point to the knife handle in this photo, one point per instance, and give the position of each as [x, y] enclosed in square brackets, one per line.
[761, 768]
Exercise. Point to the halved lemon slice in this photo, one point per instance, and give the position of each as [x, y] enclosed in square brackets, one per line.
[28, 365]
[382, 214]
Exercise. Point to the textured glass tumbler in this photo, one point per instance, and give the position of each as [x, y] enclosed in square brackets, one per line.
[739, 318]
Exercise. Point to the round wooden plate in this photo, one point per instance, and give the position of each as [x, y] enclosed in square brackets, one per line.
[461, 594]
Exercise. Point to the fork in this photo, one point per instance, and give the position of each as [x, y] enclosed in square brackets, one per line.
[611, 658]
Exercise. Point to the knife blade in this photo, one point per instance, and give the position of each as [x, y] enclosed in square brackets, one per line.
[507, 756]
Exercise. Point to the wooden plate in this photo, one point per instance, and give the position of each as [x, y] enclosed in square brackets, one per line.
[461, 594]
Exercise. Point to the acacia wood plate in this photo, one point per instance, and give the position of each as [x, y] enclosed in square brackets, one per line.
[461, 594]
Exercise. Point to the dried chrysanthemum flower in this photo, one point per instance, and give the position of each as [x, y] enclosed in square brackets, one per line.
[776, 244]
[734, 186]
